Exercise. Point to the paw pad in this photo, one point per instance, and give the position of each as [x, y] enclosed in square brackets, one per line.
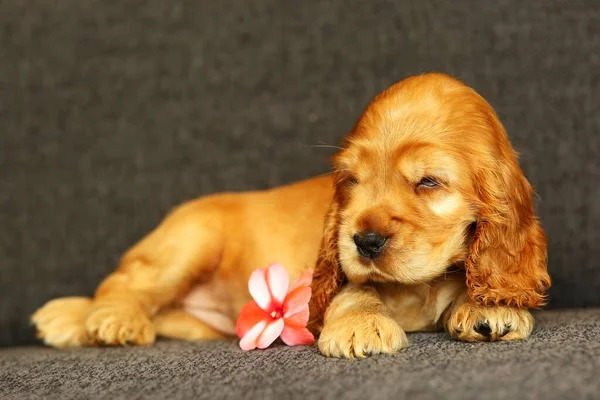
[483, 328]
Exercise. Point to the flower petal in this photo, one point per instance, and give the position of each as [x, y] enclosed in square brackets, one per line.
[296, 301]
[278, 280]
[304, 280]
[250, 315]
[292, 336]
[300, 319]
[250, 339]
[270, 333]
[259, 289]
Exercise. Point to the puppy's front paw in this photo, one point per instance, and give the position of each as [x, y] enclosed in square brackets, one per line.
[114, 323]
[473, 323]
[60, 323]
[359, 335]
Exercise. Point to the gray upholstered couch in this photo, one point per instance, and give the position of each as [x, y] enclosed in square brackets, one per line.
[112, 112]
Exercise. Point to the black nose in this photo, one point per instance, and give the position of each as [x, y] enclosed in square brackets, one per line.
[369, 244]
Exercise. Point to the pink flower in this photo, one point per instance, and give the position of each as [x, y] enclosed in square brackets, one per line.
[278, 309]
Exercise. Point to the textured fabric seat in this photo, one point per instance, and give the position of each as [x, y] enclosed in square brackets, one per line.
[560, 361]
[112, 113]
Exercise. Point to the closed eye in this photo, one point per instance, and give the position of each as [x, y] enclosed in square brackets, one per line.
[428, 183]
[349, 180]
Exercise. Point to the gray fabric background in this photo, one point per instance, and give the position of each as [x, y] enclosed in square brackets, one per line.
[112, 112]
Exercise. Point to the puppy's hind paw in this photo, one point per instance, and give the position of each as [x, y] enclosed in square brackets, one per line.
[114, 323]
[60, 323]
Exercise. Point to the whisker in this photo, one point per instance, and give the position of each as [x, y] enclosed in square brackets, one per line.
[323, 146]
[323, 174]
[426, 284]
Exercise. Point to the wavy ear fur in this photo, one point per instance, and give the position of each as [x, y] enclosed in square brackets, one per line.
[506, 264]
[328, 277]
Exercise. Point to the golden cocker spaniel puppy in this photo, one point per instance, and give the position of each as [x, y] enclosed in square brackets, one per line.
[425, 223]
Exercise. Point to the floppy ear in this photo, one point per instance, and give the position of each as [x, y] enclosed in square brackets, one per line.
[328, 276]
[507, 260]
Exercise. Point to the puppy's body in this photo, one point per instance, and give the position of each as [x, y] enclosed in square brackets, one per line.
[198, 260]
[212, 245]
[254, 230]
[425, 223]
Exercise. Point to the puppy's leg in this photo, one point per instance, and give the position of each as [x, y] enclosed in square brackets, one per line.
[357, 324]
[472, 322]
[178, 324]
[184, 249]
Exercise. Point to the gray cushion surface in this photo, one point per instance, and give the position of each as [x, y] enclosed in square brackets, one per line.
[561, 360]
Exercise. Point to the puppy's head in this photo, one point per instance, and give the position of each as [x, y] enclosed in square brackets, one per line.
[426, 180]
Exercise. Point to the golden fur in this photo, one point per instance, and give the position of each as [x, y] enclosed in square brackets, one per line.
[464, 253]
